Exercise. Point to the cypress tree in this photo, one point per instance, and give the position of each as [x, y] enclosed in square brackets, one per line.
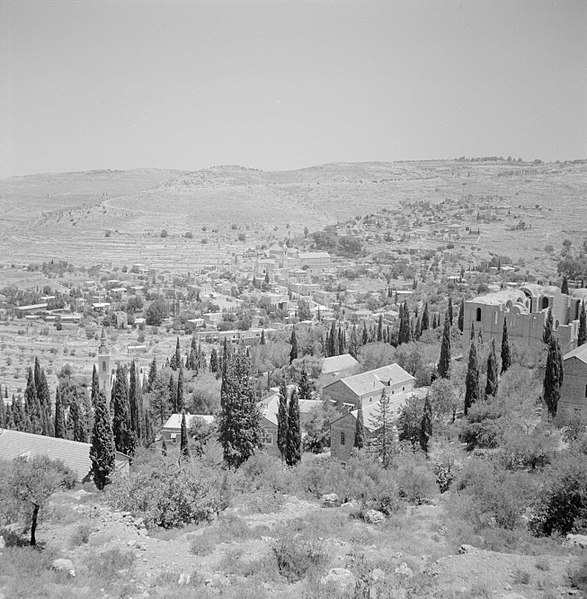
[214, 361]
[449, 311]
[102, 451]
[426, 426]
[3, 411]
[75, 420]
[180, 398]
[565, 286]
[262, 336]
[239, 430]
[547, 335]
[472, 380]
[123, 436]
[152, 376]
[293, 452]
[380, 328]
[132, 402]
[492, 378]
[172, 389]
[382, 423]
[506, 358]
[175, 361]
[293, 354]
[184, 447]
[359, 429]
[365, 335]
[553, 377]
[95, 387]
[60, 430]
[582, 334]
[332, 341]
[18, 414]
[305, 387]
[44, 399]
[32, 409]
[425, 325]
[282, 419]
[461, 316]
[444, 361]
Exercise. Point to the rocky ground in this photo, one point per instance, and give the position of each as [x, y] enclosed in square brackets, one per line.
[93, 551]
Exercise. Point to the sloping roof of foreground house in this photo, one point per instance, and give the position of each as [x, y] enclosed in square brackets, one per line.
[75, 455]
[579, 352]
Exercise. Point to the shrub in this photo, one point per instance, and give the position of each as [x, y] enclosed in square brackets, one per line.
[562, 506]
[415, 479]
[81, 535]
[521, 577]
[167, 498]
[296, 556]
[110, 564]
[578, 576]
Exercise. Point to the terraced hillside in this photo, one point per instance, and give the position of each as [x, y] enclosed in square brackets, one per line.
[118, 217]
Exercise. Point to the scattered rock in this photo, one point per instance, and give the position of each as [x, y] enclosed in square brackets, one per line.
[184, 579]
[341, 578]
[432, 570]
[139, 522]
[330, 500]
[132, 543]
[404, 570]
[513, 596]
[463, 549]
[2, 542]
[373, 517]
[63, 565]
[577, 541]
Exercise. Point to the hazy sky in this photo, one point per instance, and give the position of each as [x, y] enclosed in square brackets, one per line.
[280, 85]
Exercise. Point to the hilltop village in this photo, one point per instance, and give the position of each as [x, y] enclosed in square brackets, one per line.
[391, 349]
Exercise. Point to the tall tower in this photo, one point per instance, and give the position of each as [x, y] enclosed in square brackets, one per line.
[104, 374]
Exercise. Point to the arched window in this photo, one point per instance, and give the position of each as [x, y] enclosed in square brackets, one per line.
[478, 315]
[103, 366]
[342, 438]
[544, 302]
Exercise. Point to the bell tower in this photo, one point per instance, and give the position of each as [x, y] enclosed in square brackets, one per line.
[104, 373]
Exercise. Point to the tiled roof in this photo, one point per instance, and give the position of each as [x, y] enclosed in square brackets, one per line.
[174, 421]
[14, 444]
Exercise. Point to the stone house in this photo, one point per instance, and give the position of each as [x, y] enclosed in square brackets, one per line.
[342, 430]
[573, 401]
[366, 388]
[171, 430]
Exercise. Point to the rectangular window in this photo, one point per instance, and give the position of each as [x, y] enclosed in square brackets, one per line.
[342, 438]
[585, 390]
[268, 439]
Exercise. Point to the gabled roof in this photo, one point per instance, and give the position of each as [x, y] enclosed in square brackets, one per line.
[392, 374]
[579, 352]
[338, 363]
[174, 420]
[14, 444]
[361, 384]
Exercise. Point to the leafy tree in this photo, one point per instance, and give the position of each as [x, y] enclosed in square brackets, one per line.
[506, 358]
[156, 313]
[30, 482]
[123, 436]
[238, 423]
[553, 377]
[444, 398]
[426, 426]
[547, 334]
[444, 361]
[582, 334]
[409, 423]
[565, 286]
[293, 451]
[317, 426]
[102, 451]
[282, 419]
[382, 426]
[293, 354]
[359, 430]
[492, 377]
[304, 311]
[184, 447]
[472, 380]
